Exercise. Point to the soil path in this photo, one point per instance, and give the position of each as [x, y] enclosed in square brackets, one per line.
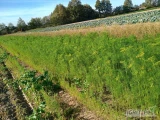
[13, 105]
[77, 110]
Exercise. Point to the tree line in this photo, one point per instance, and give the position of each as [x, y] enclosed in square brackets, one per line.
[77, 12]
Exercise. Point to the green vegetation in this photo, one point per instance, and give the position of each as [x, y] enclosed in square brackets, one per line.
[143, 17]
[42, 97]
[104, 7]
[78, 12]
[151, 3]
[13, 106]
[103, 71]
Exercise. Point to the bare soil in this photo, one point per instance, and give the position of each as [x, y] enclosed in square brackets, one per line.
[13, 105]
[73, 109]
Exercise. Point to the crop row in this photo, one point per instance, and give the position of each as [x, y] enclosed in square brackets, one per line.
[95, 63]
[143, 17]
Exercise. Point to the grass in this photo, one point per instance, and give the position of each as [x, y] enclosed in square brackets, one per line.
[139, 30]
[96, 63]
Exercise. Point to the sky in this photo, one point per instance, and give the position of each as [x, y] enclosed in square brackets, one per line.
[11, 10]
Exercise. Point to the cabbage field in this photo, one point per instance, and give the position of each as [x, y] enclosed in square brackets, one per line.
[142, 17]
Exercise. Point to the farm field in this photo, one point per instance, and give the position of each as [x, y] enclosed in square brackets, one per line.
[29, 95]
[108, 72]
[133, 18]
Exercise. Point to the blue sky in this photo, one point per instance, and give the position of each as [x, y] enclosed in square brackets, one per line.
[11, 10]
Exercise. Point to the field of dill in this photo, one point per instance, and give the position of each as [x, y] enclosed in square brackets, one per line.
[119, 73]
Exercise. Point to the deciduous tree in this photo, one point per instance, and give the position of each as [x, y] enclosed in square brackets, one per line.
[158, 2]
[128, 3]
[88, 12]
[75, 9]
[149, 3]
[10, 26]
[35, 23]
[98, 7]
[2, 26]
[60, 15]
[106, 7]
[127, 6]
[46, 21]
[21, 25]
[118, 10]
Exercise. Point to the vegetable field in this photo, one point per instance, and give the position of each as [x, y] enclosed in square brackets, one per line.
[142, 17]
[101, 71]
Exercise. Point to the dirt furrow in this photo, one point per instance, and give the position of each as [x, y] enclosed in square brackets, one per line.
[7, 109]
[77, 110]
[13, 105]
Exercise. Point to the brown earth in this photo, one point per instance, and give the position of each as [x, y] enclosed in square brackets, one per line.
[13, 105]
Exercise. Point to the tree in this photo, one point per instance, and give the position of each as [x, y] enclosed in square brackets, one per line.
[107, 7]
[74, 3]
[21, 25]
[59, 15]
[35, 23]
[98, 7]
[88, 12]
[152, 3]
[104, 7]
[148, 3]
[45, 21]
[136, 7]
[2, 29]
[143, 5]
[2, 26]
[103, 2]
[75, 9]
[127, 6]
[128, 3]
[118, 10]
[10, 26]
[158, 2]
